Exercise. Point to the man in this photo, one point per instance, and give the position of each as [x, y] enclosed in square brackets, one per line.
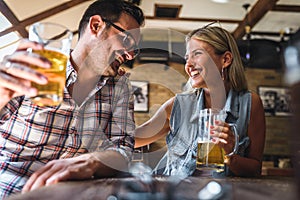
[90, 133]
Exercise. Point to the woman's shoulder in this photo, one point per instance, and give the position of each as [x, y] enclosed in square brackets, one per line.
[256, 101]
[254, 96]
[246, 97]
[248, 93]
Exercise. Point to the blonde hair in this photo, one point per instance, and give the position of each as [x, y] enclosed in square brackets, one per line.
[221, 40]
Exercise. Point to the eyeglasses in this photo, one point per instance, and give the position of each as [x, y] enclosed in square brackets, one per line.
[128, 41]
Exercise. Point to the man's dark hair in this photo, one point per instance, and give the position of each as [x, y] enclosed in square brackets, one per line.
[110, 10]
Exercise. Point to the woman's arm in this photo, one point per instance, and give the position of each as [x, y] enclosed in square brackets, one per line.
[251, 165]
[156, 127]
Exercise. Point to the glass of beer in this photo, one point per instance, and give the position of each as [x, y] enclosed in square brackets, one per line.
[57, 41]
[210, 157]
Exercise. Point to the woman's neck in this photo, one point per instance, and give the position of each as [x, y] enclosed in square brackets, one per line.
[216, 99]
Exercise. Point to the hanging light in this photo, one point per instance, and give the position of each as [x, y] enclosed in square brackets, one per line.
[247, 26]
[248, 32]
[221, 1]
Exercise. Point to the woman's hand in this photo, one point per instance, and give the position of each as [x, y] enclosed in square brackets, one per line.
[16, 74]
[222, 135]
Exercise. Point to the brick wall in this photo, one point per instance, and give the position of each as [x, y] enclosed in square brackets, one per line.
[164, 82]
[277, 128]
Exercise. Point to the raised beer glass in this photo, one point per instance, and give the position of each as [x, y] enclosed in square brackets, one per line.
[57, 41]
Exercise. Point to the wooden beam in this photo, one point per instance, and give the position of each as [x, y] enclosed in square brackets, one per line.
[286, 8]
[11, 17]
[277, 34]
[41, 16]
[255, 14]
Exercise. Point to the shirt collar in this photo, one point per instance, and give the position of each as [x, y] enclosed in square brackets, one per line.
[72, 75]
[231, 105]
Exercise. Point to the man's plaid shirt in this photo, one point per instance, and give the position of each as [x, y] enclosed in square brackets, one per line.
[31, 135]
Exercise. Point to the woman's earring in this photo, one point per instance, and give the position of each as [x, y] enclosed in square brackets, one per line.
[222, 74]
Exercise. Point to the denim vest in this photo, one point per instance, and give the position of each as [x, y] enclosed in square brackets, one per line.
[180, 159]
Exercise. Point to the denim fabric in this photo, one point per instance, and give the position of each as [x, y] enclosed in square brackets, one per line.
[180, 159]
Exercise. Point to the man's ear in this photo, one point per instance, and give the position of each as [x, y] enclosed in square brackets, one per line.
[227, 59]
[96, 24]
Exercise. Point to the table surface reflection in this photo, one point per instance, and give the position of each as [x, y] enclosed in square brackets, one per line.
[262, 188]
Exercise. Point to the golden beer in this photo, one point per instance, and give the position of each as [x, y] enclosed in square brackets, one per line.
[210, 156]
[51, 94]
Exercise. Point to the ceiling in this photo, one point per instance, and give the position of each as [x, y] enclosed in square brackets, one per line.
[267, 18]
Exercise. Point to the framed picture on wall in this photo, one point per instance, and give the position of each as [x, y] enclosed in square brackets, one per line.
[276, 100]
[140, 91]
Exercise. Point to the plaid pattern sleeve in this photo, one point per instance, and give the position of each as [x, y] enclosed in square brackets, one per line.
[116, 131]
[122, 124]
[31, 136]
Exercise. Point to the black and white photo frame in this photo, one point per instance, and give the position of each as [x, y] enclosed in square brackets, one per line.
[141, 95]
[276, 100]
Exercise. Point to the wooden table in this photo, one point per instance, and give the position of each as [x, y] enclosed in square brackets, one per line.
[264, 188]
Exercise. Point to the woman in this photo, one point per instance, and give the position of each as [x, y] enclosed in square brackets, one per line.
[217, 77]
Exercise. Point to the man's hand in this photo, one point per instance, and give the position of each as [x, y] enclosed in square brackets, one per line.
[81, 167]
[16, 74]
[99, 164]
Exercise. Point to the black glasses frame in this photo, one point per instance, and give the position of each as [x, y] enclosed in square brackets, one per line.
[134, 47]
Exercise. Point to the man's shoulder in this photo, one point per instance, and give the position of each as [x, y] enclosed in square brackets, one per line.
[124, 77]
